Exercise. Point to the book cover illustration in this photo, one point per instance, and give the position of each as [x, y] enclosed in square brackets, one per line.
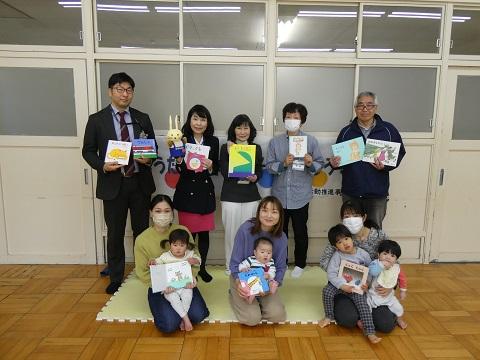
[194, 154]
[176, 275]
[241, 162]
[297, 146]
[350, 151]
[354, 274]
[118, 151]
[144, 148]
[386, 152]
[255, 280]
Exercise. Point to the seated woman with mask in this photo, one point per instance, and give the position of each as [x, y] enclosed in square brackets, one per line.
[367, 236]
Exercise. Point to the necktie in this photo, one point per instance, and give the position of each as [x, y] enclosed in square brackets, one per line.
[125, 136]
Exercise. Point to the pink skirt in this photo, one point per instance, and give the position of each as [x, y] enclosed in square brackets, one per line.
[197, 222]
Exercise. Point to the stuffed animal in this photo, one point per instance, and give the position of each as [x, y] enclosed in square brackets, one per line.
[174, 139]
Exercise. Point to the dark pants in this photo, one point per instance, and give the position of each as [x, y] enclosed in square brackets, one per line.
[346, 314]
[376, 209]
[300, 232]
[130, 197]
[166, 319]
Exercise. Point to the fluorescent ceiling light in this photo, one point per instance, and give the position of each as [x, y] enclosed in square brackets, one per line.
[125, 10]
[376, 50]
[344, 50]
[414, 17]
[375, 14]
[307, 50]
[212, 9]
[335, 14]
[209, 48]
[167, 9]
[461, 19]
[69, 3]
[138, 7]
[408, 13]
[130, 47]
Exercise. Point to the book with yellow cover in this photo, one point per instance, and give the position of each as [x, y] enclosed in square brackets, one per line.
[241, 161]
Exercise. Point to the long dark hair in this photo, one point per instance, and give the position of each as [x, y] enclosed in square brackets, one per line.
[277, 229]
[203, 112]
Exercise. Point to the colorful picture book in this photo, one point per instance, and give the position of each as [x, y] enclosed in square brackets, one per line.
[254, 279]
[144, 148]
[350, 151]
[241, 161]
[118, 151]
[386, 152]
[176, 275]
[297, 146]
[354, 274]
[194, 154]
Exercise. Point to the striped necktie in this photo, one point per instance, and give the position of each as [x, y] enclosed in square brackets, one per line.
[125, 136]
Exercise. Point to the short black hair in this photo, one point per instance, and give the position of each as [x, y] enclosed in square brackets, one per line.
[203, 112]
[119, 78]
[262, 239]
[293, 108]
[336, 232]
[178, 235]
[390, 246]
[239, 120]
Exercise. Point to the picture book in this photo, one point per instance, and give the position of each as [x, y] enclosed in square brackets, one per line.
[255, 280]
[144, 148]
[176, 275]
[297, 145]
[241, 161]
[354, 274]
[194, 153]
[386, 152]
[118, 151]
[350, 151]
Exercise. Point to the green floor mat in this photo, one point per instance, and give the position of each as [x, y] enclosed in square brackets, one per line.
[302, 298]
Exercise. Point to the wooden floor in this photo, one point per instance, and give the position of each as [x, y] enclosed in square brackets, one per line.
[48, 312]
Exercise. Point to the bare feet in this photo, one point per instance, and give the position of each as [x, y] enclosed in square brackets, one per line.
[182, 325]
[374, 339]
[401, 323]
[324, 322]
[187, 323]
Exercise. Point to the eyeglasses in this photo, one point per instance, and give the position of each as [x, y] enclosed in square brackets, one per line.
[365, 106]
[121, 90]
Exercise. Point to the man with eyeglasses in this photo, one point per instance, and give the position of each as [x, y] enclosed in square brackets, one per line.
[121, 187]
[363, 182]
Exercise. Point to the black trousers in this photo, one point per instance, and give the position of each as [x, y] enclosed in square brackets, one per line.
[300, 232]
[130, 197]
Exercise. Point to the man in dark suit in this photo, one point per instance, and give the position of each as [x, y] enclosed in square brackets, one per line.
[121, 187]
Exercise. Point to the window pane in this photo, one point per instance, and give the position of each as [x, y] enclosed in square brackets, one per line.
[465, 119]
[157, 89]
[327, 92]
[466, 32]
[226, 91]
[40, 22]
[138, 24]
[406, 95]
[401, 29]
[224, 25]
[37, 102]
[317, 28]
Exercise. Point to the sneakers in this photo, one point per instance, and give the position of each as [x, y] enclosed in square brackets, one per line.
[296, 272]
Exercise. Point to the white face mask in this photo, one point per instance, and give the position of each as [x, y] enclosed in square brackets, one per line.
[162, 219]
[292, 124]
[353, 224]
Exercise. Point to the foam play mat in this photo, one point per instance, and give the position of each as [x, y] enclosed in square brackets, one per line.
[302, 298]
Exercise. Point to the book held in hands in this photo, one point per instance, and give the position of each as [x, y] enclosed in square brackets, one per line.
[350, 151]
[385, 151]
[144, 148]
[176, 275]
[241, 161]
[118, 151]
[255, 280]
[194, 154]
[297, 146]
[354, 274]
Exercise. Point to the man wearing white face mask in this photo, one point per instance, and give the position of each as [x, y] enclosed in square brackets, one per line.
[294, 187]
